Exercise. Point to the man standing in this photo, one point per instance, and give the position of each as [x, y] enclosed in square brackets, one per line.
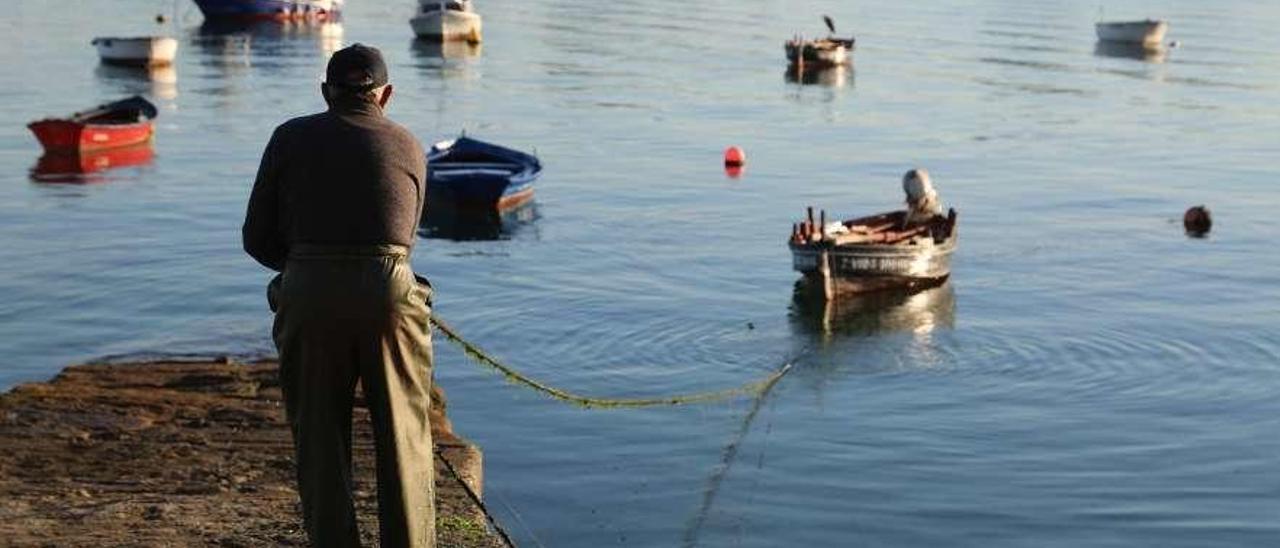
[334, 209]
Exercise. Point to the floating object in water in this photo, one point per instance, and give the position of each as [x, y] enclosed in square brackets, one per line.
[822, 52]
[889, 250]
[277, 10]
[160, 18]
[139, 51]
[121, 123]
[1197, 221]
[446, 21]
[1149, 32]
[734, 157]
[1175, 44]
[475, 174]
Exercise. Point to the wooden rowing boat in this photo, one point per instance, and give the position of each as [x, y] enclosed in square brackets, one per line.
[873, 253]
[117, 124]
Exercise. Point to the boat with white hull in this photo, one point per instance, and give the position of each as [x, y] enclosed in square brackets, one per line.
[139, 51]
[447, 21]
[1149, 32]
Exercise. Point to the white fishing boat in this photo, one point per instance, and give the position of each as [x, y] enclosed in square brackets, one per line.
[1149, 32]
[142, 51]
[446, 20]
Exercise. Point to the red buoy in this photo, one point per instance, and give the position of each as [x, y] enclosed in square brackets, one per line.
[734, 157]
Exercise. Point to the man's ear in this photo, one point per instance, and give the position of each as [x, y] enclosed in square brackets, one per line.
[324, 91]
[386, 96]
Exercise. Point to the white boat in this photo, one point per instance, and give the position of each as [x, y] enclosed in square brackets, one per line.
[1149, 32]
[446, 20]
[144, 51]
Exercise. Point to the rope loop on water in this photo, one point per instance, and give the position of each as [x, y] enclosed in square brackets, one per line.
[484, 358]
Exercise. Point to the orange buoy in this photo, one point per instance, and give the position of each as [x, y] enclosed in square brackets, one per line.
[734, 157]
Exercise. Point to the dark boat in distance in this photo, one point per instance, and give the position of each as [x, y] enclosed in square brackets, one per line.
[470, 173]
[116, 124]
[274, 10]
[873, 253]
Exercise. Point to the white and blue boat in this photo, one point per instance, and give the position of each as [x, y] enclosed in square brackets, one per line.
[474, 174]
[279, 10]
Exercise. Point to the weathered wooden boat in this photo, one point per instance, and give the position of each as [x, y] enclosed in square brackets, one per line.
[83, 166]
[121, 123]
[873, 253]
[137, 51]
[278, 10]
[475, 174]
[447, 20]
[1149, 32]
[823, 52]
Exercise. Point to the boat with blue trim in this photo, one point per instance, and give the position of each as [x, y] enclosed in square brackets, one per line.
[470, 173]
[279, 10]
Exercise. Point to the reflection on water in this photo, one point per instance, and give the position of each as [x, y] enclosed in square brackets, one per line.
[838, 76]
[874, 313]
[445, 220]
[1157, 54]
[235, 39]
[86, 167]
[160, 82]
[451, 59]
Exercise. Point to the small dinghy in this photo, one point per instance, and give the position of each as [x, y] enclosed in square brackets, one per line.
[276, 10]
[446, 21]
[907, 249]
[822, 52]
[122, 123]
[1149, 32]
[140, 51]
[474, 174]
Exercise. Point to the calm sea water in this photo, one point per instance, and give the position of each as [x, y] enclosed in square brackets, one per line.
[1090, 376]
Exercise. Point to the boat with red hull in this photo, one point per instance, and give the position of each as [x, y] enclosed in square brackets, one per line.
[277, 10]
[118, 124]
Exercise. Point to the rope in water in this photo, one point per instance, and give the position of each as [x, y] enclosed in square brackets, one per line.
[479, 355]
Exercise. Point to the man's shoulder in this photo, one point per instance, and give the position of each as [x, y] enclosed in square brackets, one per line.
[301, 123]
[402, 133]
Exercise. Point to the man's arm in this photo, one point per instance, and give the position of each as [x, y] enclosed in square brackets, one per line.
[261, 232]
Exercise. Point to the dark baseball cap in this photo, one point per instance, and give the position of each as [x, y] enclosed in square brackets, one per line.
[357, 67]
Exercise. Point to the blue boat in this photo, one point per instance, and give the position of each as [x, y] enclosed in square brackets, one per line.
[280, 10]
[474, 174]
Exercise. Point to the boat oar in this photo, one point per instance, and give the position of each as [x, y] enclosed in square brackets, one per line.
[830, 24]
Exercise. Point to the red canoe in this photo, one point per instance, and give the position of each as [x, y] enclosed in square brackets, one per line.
[122, 123]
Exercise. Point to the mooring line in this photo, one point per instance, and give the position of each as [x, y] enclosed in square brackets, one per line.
[502, 533]
[476, 353]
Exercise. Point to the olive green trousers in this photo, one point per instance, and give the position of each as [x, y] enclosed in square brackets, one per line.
[346, 314]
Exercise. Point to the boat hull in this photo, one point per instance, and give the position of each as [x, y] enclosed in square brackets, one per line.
[69, 136]
[818, 53]
[915, 262]
[144, 51]
[277, 10]
[472, 174]
[447, 25]
[1148, 33]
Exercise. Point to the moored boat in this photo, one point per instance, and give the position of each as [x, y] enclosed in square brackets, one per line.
[138, 51]
[1149, 32]
[474, 174]
[446, 20]
[279, 10]
[117, 124]
[821, 52]
[873, 253]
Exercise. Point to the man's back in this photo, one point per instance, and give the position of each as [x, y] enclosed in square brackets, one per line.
[345, 176]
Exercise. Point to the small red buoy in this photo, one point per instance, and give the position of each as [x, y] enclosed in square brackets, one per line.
[734, 157]
[1197, 221]
[732, 171]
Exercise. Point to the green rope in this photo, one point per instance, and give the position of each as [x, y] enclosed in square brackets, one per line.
[479, 355]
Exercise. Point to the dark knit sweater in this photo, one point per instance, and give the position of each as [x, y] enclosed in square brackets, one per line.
[347, 176]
